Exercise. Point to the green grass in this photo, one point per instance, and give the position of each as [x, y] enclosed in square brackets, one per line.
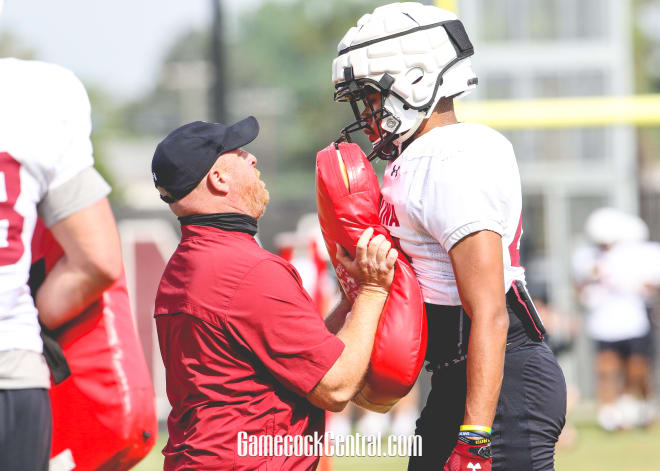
[597, 450]
[593, 450]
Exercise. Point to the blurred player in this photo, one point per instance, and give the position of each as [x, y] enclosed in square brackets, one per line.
[615, 276]
[451, 195]
[46, 171]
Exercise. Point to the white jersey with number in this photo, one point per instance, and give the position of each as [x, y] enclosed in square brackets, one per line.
[44, 141]
[451, 182]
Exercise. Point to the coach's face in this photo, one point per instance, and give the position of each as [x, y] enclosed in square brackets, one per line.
[244, 183]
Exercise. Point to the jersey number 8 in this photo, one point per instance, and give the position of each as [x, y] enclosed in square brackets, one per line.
[11, 222]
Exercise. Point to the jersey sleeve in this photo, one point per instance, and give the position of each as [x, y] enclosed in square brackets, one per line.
[466, 194]
[72, 183]
[77, 193]
[74, 122]
[272, 316]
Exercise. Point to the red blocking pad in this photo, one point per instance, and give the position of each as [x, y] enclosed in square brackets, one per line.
[348, 197]
[104, 414]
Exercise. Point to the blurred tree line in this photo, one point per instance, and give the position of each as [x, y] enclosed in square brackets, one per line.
[278, 68]
[646, 44]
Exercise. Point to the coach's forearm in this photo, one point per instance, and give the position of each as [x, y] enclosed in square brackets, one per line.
[373, 268]
[485, 366]
[358, 336]
[346, 377]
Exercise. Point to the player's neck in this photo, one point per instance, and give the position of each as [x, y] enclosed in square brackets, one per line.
[442, 116]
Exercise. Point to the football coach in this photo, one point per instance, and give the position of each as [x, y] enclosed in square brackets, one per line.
[244, 349]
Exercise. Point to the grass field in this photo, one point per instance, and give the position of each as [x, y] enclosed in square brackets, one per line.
[594, 450]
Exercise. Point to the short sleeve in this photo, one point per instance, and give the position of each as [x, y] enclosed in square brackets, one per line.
[272, 316]
[73, 112]
[466, 194]
[79, 192]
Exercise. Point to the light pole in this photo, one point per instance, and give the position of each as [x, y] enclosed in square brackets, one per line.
[217, 53]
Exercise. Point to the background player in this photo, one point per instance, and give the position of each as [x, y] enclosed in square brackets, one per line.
[46, 171]
[617, 277]
[451, 195]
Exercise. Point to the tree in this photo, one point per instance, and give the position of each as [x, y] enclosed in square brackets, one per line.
[291, 45]
[11, 46]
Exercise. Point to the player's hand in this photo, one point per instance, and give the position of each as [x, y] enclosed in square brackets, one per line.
[471, 453]
[373, 266]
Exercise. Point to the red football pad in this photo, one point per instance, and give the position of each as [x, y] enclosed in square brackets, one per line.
[344, 213]
[104, 413]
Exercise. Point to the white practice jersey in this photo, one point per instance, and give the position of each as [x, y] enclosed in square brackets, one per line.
[44, 141]
[451, 182]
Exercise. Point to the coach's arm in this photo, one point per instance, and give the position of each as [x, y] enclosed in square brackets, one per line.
[373, 268]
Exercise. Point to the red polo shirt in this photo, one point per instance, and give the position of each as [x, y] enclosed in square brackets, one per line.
[242, 344]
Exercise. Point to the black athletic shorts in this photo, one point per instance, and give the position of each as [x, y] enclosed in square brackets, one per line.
[532, 407]
[642, 346]
[25, 429]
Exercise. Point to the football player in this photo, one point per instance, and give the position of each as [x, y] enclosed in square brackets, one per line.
[46, 171]
[451, 195]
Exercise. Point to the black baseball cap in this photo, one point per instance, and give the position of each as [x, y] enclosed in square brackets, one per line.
[187, 154]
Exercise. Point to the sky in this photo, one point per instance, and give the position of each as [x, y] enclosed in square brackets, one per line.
[115, 44]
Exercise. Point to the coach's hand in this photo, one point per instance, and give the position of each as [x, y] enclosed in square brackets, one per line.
[373, 266]
[471, 453]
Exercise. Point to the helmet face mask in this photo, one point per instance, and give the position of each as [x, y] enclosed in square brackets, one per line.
[412, 55]
[376, 121]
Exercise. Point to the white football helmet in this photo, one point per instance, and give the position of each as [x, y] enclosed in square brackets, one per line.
[608, 226]
[413, 55]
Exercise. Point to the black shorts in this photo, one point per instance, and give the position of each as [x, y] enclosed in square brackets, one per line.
[636, 346]
[531, 410]
[25, 429]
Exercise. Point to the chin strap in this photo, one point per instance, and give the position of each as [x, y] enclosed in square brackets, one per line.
[421, 116]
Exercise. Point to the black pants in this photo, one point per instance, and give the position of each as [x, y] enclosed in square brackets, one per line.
[25, 429]
[531, 409]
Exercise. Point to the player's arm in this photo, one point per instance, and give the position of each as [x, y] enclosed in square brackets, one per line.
[478, 268]
[90, 264]
[373, 268]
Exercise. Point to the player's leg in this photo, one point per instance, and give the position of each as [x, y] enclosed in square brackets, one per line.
[531, 411]
[638, 382]
[638, 373]
[637, 376]
[25, 429]
[609, 365]
[405, 413]
[441, 418]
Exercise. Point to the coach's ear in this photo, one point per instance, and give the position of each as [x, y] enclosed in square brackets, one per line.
[218, 180]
